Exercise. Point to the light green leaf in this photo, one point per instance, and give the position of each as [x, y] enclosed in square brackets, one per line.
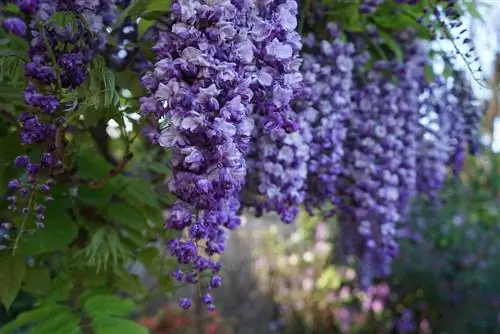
[28, 317]
[12, 270]
[37, 281]
[60, 289]
[109, 88]
[117, 326]
[63, 322]
[105, 248]
[103, 306]
[143, 26]
[472, 9]
[134, 9]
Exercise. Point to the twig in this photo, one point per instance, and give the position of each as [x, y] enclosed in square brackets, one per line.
[112, 173]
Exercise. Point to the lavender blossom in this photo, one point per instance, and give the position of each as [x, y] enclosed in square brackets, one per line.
[379, 169]
[327, 105]
[201, 87]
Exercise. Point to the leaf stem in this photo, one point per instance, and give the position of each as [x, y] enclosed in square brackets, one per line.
[21, 228]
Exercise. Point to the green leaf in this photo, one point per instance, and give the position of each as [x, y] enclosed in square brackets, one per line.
[60, 289]
[472, 9]
[109, 88]
[105, 248]
[117, 326]
[159, 168]
[96, 197]
[127, 216]
[12, 270]
[60, 230]
[63, 322]
[63, 19]
[108, 306]
[37, 281]
[28, 317]
[144, 25]
[142, 192]
[91, 278]
[129, 283]
[393, 45]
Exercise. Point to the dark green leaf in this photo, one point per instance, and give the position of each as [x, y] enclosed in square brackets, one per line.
[99, 197]
[37, 281]
[127, 216]
[12, 270]
[393, 45]
[141, 191]
[91, 164]
[60, 230]
[159, 168]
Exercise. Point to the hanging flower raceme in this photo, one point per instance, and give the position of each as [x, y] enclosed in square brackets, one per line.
[58, 64]
[471, 109]
[327, 73]
[433, 139]
[379, 166]
[200, 87]
[277, 62]
[278, 154]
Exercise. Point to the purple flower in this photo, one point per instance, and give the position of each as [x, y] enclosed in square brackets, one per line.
[185, 303]
[15, 25]
[201, 83]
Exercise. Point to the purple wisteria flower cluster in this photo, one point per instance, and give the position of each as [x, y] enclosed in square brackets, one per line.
[200, 86]
[433, 150]
[58, 63]
[378, 176]
[327, 104]
[278, 154]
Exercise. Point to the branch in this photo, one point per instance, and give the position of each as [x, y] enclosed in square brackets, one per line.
[112, 173]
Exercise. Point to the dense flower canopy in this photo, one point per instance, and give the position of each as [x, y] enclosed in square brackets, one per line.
[255, 110]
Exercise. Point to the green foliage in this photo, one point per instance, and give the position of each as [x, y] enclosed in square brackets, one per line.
[11, 276]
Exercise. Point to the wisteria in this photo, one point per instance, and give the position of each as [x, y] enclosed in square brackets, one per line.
[327, 105]
[254, 105]
[201, 85]
[278, 153]
[379, 169]
[433, 150]
[58, 63]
